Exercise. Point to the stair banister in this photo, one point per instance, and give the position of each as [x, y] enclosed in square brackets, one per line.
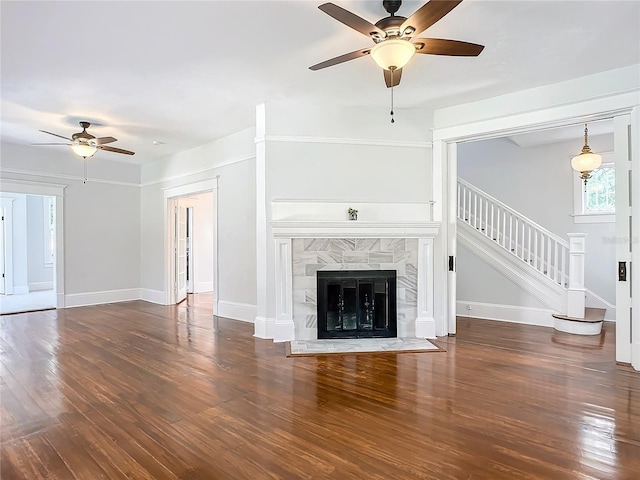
[541, 249]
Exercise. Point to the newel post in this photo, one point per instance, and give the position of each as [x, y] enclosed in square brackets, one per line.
[576, 290]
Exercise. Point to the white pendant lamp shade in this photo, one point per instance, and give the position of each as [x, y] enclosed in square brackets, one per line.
[586, 161]
[393, 54]
[83, 149]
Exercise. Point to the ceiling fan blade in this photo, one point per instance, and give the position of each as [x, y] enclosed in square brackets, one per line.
[440, 46]
[103, 140]
[392, 80]
[115, 150]
[50, 144]
[341, 59]
[351, 20]
[429, 14]
[55, 135]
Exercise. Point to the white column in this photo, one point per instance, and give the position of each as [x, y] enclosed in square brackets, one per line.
[262, 325]
[284, 329]
[576, 293]
[425, 323]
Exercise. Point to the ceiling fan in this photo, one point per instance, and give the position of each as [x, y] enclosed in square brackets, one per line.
[84, 144]
[393, 37]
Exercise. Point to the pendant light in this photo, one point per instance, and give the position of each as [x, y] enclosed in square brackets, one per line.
[587, 161]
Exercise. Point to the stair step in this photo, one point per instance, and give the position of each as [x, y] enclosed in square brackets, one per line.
[591, 315]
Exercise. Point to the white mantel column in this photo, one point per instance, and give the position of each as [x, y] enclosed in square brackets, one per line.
[576, 293]
[284, 329]
[425, 323]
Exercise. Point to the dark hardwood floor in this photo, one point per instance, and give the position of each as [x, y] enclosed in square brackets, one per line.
[141, 391]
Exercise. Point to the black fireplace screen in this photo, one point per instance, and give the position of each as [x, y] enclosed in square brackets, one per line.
[355, 304]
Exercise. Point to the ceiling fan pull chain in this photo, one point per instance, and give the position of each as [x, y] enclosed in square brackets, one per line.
[392, 120]
[84, 159]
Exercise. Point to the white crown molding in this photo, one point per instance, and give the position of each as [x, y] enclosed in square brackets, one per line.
[350, 201]
[18, 171]
[27, 187]
[342, 141]
[224, 163]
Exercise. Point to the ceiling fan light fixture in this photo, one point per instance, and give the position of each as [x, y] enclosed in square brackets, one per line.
[393, 54]
[84, 150]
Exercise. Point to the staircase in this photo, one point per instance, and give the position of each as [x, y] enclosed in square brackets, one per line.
[548, 267]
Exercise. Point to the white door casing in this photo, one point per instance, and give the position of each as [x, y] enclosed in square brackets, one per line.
[180, 252]
[171, 196]
[623, 238]
[48, 190]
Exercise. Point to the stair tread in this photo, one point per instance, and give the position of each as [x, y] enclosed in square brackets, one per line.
[591, 315]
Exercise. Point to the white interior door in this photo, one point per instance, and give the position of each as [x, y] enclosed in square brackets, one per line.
[180, 252]
[190, 263]
[623, 239]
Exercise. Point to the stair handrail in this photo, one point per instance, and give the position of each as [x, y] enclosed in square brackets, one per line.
[534, 224]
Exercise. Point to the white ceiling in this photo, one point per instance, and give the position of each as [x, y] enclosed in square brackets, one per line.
[186, 73]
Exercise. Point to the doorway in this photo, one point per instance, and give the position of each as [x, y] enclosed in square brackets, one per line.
[31, 246]
[625, 126]
[191, 241]
[28, 248]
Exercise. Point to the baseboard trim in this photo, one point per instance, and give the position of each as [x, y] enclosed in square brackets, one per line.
[263, 327]
[237, 311]
[595, 300]
[153, 296]
[37, 286]
[284, 331]
[635, 355]
[506, 313]
[425, 327]
[98, 298]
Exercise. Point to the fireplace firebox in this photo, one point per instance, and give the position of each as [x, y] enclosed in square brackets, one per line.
[357, 304]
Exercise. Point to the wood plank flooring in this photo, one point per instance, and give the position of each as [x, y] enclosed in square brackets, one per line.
[142, 391]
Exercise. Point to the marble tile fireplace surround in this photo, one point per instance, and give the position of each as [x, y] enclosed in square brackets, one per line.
[306, 245]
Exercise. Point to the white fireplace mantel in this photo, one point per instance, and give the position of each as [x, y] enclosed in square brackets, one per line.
[286, 230]
[353, 229]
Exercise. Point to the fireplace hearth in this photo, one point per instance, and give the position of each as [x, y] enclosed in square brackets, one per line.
[357, 304]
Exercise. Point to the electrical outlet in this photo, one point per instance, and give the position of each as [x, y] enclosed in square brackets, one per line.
[468, 307]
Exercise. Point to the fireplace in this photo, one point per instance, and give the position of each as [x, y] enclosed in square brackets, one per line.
[356, 303]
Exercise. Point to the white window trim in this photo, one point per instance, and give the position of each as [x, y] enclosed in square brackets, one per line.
[578, 198]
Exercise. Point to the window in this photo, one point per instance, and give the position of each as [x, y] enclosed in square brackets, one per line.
[600, 195]
[49, 230]
[596, 202]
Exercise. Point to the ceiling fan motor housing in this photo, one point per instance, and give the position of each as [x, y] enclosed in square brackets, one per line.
[391, 6]
[391, 25]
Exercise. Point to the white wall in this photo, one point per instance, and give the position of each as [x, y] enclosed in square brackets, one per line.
[39, 270]
[321, 153]
[101, 219]
[232, 161]
[538, 182]
[479, 282]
